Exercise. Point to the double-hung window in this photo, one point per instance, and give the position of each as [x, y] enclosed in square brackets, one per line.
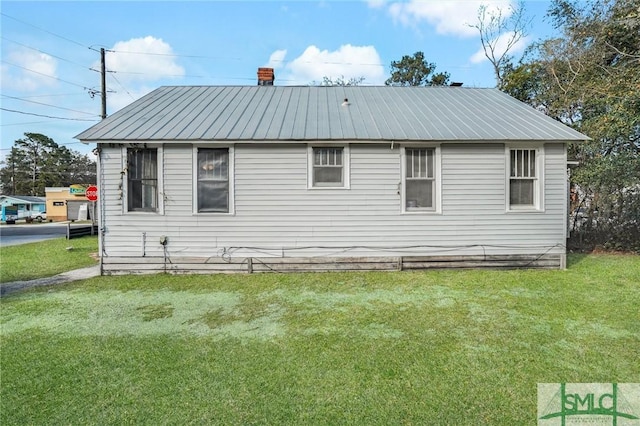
[142, 179]
[328, 167]
[420, 179]
[524, 179]
[213, 180]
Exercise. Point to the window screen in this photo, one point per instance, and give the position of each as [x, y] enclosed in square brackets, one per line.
[213, 180]
[522, 177]
[328, 167]
[142, 177]
[419, 178]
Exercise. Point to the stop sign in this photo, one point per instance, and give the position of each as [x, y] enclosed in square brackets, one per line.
[92, 193]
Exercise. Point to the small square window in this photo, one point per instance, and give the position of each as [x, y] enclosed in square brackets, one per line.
[328, 167]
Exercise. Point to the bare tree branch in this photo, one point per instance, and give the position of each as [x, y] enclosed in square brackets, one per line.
[494, 28]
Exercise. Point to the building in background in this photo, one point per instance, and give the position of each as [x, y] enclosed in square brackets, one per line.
[16, 207]
[68, 203]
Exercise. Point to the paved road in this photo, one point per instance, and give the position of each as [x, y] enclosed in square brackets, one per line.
[22, 233]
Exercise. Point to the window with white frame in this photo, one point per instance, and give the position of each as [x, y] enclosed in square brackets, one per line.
[142, 179]
[213, 180]
[524, 178]
[328, 167]
[420, 174]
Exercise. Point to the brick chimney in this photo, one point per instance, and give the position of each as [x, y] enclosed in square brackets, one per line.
[266, 76]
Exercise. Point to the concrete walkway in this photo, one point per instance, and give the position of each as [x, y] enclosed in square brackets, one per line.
[65, 277]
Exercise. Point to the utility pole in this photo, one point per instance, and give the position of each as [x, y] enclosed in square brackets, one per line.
[103, 75]
[13, 172]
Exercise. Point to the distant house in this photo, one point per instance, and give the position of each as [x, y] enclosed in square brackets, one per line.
[201, 179]
[20, 206]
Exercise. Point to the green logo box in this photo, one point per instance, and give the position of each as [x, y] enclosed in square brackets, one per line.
[578, 404]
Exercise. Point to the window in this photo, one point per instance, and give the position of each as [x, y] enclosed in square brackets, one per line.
[420, 179]
[142, 180]
[329, 167]
[213, 180]
[524, 179]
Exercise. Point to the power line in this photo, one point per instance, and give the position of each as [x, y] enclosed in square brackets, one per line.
[94, 91]
[45, 75]
[147, 73]
[112, 72]
[282, 61]
[23, 124]
[169, 54]
[53, 95]
[46, 53]
[59, 144]
[176, 55]
[49, 105]
[123, 88]
[46, 31]
[46, 116]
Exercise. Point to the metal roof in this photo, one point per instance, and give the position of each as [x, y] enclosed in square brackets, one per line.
[309, 113]
[28, 199]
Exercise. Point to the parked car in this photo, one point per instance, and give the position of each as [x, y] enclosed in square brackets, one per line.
[39, 216]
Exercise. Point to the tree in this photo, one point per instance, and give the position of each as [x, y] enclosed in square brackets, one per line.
[416, 71]
[14, 174]
[36, 148]
[499, 34]
[590, 79]
[37, 161]
[341, 81]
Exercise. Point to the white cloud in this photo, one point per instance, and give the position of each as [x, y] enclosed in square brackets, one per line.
[276, 60]
[451, 17]
[501, 46]
[346, 62]
[376, 4]
[33, 70]
[149, 59]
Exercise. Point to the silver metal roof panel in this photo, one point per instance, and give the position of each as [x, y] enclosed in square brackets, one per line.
[308, 113]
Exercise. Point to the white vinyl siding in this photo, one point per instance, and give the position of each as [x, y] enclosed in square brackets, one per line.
[275, 213]
[525, 167]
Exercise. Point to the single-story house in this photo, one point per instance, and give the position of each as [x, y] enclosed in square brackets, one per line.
[20, 206]
[68, 203]
[277, 178]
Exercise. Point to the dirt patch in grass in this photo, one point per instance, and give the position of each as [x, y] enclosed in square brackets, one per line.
[154, 312]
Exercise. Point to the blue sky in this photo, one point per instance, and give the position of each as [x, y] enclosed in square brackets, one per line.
[50, 50]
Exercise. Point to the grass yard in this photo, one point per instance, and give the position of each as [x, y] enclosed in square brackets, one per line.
[371, 348]
[46, 258]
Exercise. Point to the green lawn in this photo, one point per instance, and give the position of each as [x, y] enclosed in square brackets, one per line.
[46, 258]
[371, 348]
